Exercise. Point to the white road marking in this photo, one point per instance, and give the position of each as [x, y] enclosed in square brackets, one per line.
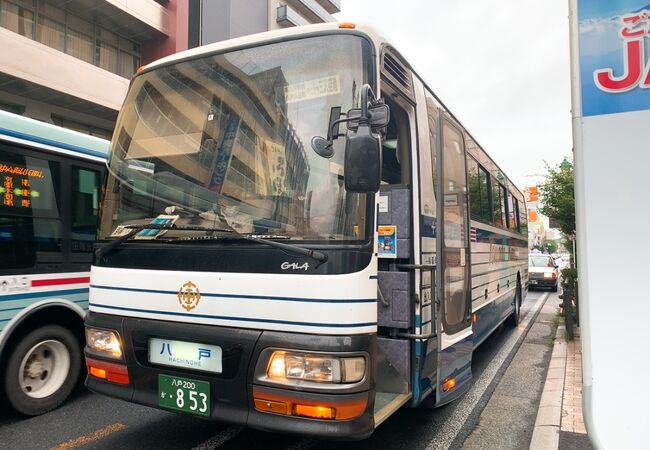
[219, 439]
[453, 423]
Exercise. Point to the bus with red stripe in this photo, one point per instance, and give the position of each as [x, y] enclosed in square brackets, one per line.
[49, 197]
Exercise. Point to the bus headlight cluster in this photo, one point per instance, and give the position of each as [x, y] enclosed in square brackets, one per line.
[318, 368]
[104, 342]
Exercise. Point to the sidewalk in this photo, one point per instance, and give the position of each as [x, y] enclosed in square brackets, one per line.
[559, 423]
[507, 420]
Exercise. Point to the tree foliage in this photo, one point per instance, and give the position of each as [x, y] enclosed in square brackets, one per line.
[556, 194]
[548, 246]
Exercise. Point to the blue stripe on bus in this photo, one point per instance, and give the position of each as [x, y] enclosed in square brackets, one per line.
[43, 294]
[40, 140]
[240, 319]
[247, 297]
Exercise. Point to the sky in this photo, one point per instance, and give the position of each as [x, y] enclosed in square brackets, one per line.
[501, 66]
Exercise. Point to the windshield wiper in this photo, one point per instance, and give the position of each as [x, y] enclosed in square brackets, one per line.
[291, 248]
[135, 229]
[266, 239]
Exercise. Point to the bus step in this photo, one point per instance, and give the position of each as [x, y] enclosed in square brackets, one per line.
[386, 403]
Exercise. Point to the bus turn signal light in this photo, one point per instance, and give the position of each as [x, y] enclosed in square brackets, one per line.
[291, 405]
[270, 406]
[111, 372]
[448, 384]
[315, 412]
[347, 25]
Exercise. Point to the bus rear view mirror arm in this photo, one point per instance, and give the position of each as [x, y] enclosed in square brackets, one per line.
[372, 111]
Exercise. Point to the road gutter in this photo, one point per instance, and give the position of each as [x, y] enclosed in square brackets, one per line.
[546, 434]
[453, 429]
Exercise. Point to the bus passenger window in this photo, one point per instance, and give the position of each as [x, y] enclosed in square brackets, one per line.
[395, 147]
[523, 218]
[30, 224]
[497, 213]
[512, 212]
[473, 188]
[504, 211]
[85, 204]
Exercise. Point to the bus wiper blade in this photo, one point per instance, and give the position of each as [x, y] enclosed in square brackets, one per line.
[290, 248]
[135, 229]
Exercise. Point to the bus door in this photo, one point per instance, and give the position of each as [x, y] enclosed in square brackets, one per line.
[455, 340]
[398, 250]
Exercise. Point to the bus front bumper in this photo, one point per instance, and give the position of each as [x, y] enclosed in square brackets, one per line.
[236, 395]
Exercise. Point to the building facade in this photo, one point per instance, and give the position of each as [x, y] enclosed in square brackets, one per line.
[218, 20]
[69, 62]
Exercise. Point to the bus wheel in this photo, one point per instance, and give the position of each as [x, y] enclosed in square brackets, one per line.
[514, 317]
[42, 370]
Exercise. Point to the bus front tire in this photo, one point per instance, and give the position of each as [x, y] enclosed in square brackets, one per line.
[42, 370]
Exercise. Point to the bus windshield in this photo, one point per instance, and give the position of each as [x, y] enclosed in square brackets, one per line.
[229, 134]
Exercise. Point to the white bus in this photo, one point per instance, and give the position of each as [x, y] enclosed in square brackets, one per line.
[280, 249]
[49, 200]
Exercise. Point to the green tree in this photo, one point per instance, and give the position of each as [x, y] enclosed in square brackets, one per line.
[556, 194]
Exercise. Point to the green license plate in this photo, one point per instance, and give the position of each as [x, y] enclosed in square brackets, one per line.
[184, 394]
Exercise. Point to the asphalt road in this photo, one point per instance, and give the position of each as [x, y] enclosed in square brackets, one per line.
[92, 421]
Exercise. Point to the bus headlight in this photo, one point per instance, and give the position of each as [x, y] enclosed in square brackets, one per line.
[285, 366]
[104, 342]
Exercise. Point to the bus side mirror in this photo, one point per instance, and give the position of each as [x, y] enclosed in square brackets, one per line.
[362, 169]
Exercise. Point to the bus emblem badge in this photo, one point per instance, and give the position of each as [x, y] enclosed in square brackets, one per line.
[189, 296]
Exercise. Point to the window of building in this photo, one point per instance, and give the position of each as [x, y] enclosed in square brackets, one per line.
[79, 39]
[107, 50]
[85, 128]
[50, 29]
[58, 28]
[18, 16]
[12, 108]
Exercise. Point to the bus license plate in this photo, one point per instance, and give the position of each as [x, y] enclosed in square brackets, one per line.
[184, 394]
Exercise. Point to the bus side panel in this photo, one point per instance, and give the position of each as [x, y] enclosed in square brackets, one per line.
[20, 291]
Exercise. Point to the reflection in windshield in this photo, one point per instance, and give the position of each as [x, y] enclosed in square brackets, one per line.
[227, 137]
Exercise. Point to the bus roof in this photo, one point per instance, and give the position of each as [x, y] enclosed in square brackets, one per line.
[32, 132]
[267, 36]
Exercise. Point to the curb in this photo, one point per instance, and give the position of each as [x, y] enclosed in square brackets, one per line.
[546, 435]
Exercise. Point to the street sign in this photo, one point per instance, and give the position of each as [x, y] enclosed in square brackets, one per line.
[531, 194]
[611, 112]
